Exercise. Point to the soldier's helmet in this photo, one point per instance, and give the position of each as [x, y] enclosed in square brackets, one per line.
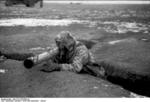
[65, 40]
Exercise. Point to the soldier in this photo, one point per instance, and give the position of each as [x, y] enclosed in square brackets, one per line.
[69, 55]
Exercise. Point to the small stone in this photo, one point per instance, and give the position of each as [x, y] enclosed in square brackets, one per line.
[95, 87]
[144, 39]
[133, 95]
[2, 71]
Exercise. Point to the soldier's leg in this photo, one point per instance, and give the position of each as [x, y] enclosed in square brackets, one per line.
[94, 69]
[16, 56]
[107, 69]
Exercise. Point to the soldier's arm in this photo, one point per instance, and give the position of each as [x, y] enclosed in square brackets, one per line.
[79, 60]
[53, 52]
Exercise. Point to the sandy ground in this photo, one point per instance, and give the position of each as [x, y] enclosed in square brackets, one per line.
[16, 81]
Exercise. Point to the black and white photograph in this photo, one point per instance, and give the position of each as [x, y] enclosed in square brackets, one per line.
[74, 49]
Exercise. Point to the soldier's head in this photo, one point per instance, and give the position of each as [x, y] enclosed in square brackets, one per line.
[65, 41]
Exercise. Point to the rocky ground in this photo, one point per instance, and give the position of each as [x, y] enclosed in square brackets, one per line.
[128, 50]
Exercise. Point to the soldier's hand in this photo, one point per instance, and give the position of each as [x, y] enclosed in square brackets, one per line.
[1, 54]
[2, 59]
[50, 67]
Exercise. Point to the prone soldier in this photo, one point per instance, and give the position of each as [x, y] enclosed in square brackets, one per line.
[69, 55]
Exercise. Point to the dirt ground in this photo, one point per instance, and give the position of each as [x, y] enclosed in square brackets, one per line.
[18, 81]
[21, 82]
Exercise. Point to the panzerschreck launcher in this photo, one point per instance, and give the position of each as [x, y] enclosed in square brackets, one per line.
[31, 61]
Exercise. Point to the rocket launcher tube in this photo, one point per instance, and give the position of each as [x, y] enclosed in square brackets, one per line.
[32, 61]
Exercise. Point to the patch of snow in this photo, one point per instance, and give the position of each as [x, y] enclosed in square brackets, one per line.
[121, 40]
[123, 27]
[85, 80]
[36, 48]
[106, 85]
[114, 42]
[31, 22]
[144, 39]
[95, 87]
[3, 71]
[133, 95]
[146, 32]
[108, 26]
